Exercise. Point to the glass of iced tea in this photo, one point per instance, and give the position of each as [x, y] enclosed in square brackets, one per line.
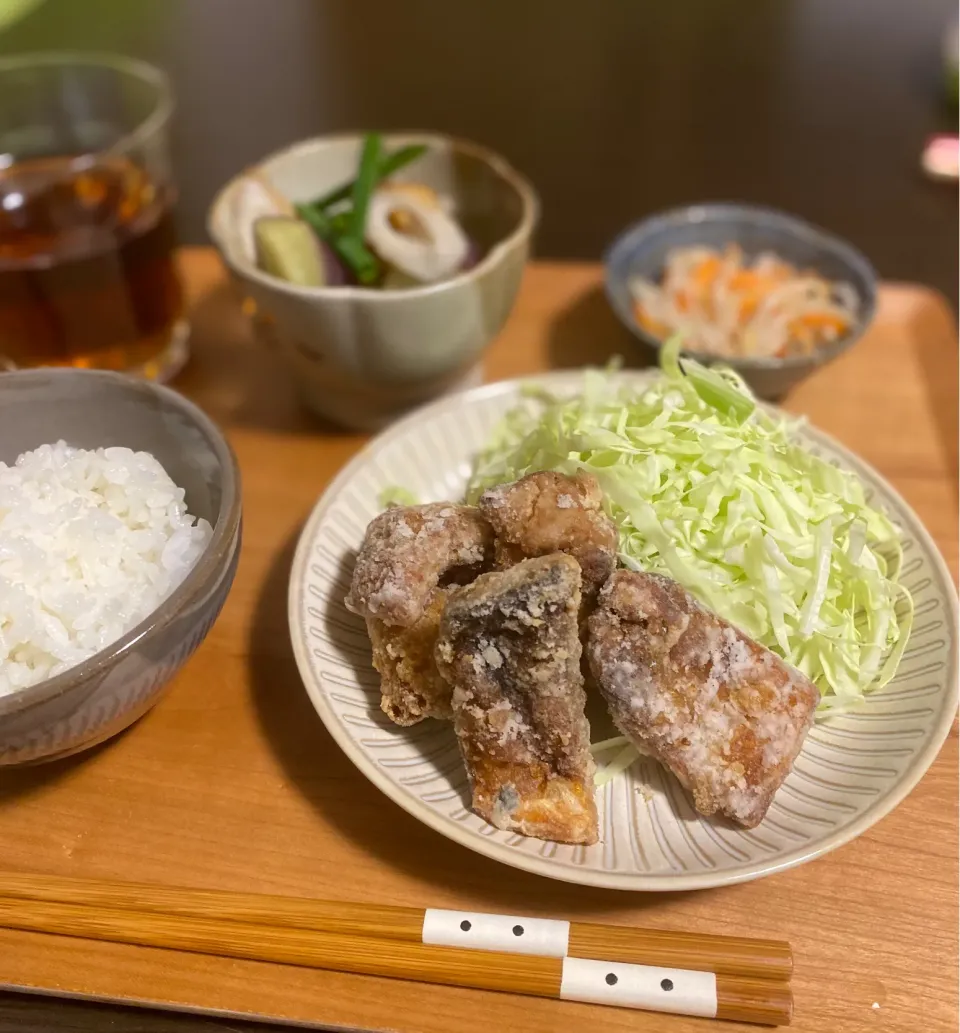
[87, 274]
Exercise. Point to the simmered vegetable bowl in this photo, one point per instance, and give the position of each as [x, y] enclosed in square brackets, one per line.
[371, 232]
[707, 487]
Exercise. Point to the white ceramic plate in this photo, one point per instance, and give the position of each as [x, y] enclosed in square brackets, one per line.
[852, 771]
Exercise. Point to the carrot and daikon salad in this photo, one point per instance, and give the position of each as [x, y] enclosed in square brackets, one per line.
[721, 303]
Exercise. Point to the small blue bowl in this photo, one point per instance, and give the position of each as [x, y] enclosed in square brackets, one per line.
[642, 250]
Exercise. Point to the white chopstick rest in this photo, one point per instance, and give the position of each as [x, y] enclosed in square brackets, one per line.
[677, 990]
[511, 933]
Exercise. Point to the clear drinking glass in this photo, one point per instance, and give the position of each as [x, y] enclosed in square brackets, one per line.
[87, 274]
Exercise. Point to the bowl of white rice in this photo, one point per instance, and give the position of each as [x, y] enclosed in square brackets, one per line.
[120, 533]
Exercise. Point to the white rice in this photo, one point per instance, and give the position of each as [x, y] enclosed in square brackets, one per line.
[90, 543]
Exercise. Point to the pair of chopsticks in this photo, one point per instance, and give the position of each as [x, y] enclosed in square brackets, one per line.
[686, 973]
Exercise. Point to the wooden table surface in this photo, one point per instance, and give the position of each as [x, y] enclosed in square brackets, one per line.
[232, 781]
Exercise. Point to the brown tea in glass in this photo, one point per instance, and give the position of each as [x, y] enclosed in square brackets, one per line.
[87, 240]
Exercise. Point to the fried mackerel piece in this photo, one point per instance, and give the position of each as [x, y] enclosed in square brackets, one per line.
[411, 687]
[725, 715]
[549, 512]
[407, 550]
[405, 554]
[509, 646]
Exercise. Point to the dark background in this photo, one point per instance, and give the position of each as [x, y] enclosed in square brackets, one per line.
[614, 109]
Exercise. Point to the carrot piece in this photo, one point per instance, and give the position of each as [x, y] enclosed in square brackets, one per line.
[802, 335]
[747, 280]
[824, 321]
[748, 307]
[706, 272]
[647, 322]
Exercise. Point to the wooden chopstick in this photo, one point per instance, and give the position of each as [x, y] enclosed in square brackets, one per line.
[724, 955]
[765, 1002]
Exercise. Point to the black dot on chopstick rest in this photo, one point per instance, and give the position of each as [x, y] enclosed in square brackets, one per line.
[465, 926]
[518, 930]
[611, 979]
[666, 984]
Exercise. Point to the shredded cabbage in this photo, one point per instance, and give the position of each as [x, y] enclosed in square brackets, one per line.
[709, 488]
[624, 757]
[395, 495]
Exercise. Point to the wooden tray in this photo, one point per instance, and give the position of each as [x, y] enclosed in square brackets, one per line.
[233, 782]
